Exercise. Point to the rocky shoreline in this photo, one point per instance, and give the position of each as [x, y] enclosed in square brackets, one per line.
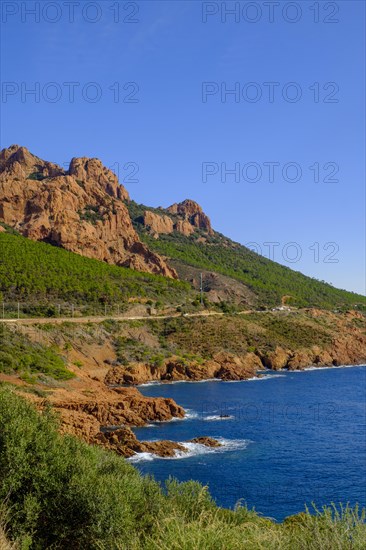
[103, 392]
[223, 366]
[108, 420]
[230, 367]
[108, 415]
[123, 441]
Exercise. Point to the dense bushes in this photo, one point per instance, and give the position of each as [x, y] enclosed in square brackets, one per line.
[240, 333]
[19, 354]
[61, 493]
[34, 271]
[269, 280]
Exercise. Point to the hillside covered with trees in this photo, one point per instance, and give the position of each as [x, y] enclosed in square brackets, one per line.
[269, 280]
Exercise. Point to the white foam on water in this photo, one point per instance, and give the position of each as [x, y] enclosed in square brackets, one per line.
[268, 376]
[206, 380]
[218, 417]
[312, 368]
[190, 415]
[171, 382]
[141, 457]
[193, 381]
[195, 449]
[255, 379]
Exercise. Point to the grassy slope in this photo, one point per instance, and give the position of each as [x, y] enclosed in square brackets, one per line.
[37, 353]
[59, 492]
[268, 279]
[32, 361]
[197, 339]
[38, 272]
[201, 338]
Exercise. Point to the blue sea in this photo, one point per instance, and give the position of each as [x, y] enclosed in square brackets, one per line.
[288, 439]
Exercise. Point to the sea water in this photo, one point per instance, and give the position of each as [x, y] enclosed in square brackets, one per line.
[287, 439]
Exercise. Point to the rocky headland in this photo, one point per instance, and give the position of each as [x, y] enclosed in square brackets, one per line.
[82, 209]
[230, 332]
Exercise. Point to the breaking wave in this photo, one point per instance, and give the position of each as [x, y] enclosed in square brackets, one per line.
[195, 449]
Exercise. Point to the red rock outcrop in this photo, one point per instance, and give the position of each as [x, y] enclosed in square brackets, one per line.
[224, 366]
[343, 350]
[122, 406]
[184, 217]
[82, 210]
[107, 421]
[277, 359]
[233, 367]
[192, 212]
[158, 224]
[123, 441]
[184, 227]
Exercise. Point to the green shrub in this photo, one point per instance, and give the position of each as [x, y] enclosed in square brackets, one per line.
[19, 354]
[36, 272]
[38, 176]
[62, 494]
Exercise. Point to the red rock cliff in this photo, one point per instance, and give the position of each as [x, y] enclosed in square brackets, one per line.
[82, 210]
[184, 217]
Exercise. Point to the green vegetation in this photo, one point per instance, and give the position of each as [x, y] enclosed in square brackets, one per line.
[239, 334]
[38, 176]
[132, 350]
[18, 354]
[199, 338]
[91, 214]
[35, 272]
[293, 330]
[58, 492]
[269, 280]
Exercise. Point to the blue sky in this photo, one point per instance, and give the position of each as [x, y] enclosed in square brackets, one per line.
[168, 127]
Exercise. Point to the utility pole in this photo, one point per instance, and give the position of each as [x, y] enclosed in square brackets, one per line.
[18, 310]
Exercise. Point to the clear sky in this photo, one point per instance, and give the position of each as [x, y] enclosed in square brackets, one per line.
[144, 86]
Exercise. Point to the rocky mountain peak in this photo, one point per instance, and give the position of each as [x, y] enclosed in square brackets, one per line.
[18, 161]
[82, 210]
[192, 212]
[91, 171]
[183, 217]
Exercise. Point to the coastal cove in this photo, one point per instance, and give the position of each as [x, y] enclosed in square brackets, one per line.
[288, 439]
